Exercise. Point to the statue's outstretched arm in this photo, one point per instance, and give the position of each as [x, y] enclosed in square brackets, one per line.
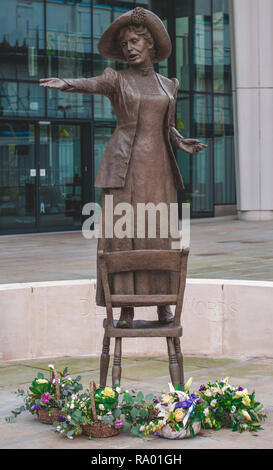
[104, 84]
[187, 145]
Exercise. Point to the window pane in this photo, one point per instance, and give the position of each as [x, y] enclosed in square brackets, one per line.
[202, 173]
[224, 166]
[21, 39]
[21, 99]
[182, 49]
[221, 47]
[202, 46]
[68, 50]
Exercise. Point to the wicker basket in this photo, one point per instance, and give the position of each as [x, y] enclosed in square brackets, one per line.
[97, 428]
[43, 415]
[168, 433]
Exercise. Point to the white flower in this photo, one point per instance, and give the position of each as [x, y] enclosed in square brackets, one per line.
[213, 403]
[171, 388]
[51, 366]
[206, 412]
[182, 395]
[68, 418]
[233, 409]
[101, 407]
[72, 406]
[241, 393]
[142, 428]
[118, 389]
[99, 418]
[208, 393]
[214, 390]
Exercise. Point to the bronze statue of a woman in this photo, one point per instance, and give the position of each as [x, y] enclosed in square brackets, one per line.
[138, 165]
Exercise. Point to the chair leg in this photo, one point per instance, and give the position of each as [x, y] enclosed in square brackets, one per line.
[104, 361]
[173, 363]
[116, 370]
[179, 356]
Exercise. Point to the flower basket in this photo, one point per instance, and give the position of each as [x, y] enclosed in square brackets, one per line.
[43, 414]
[97, 428]
[169, 433]
[45, 418]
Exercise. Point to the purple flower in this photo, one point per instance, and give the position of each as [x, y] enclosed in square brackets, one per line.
[155, 401]
[36, 407]
[60, 419]
[202, 387]
[118, 424]
[46, 397]
[200, 400]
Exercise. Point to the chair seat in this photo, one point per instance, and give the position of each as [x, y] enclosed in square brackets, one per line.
[143, 328]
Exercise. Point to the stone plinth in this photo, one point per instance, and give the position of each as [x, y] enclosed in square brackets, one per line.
[54, 319]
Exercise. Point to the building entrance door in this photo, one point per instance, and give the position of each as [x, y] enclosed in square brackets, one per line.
[17, 177]
[41, 176]
[60, 177]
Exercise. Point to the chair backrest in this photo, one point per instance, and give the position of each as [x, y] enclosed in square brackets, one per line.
[135, 260]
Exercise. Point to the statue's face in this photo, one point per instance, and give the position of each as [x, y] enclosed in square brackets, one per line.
[135, 48]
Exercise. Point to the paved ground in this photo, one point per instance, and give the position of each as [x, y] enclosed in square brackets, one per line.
[220, 248]
[141, 373]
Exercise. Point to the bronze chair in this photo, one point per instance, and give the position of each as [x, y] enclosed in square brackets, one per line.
[125, 261]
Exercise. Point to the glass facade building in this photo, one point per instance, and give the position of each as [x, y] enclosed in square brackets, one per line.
[51, 143]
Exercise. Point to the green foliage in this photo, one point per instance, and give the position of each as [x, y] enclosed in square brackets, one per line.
[42, 393]
[229, 406]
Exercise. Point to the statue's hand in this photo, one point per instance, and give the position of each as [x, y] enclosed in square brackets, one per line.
[191, 146]
[54, 83]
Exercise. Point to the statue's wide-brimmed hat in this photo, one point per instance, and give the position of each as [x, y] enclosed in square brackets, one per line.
[108, 44]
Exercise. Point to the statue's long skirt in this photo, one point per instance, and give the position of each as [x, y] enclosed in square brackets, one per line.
[149, 180]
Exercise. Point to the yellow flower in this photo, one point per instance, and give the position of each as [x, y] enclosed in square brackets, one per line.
[42, 381]
[179, 415]
[246, 400]
[208, 421]
[109, 392]
[159, 425]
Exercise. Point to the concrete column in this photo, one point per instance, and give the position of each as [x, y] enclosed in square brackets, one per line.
[252, 66]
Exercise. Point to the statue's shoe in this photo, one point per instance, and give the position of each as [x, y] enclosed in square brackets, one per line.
[126, 318]
[165, 314]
